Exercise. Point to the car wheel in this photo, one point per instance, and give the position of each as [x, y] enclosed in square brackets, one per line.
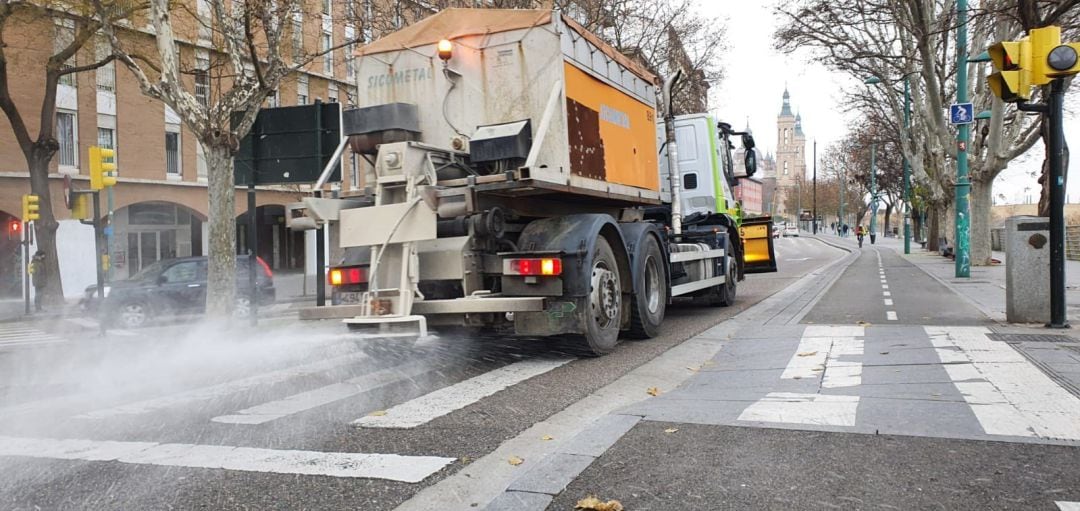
[134, 314]
[242, 309]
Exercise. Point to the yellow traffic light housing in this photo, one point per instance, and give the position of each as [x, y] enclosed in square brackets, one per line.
[102, 167]
[31, 207]
[1012, 60]
[1063, 60]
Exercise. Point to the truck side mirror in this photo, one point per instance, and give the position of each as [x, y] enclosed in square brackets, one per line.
[748, 142]
[750, 162]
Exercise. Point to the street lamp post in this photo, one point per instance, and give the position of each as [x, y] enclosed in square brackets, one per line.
[873, 193]
[815, 186]
[963, 184]
[907, 167]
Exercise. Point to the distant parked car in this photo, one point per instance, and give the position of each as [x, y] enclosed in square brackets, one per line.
[173, 288]
[791, 230]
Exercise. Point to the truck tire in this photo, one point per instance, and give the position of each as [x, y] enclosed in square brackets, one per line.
[726, 292]
[650, 301]
[604, 302]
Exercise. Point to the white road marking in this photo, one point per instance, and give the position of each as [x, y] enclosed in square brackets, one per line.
[819, 354]
[884, 286]
[224, 389]
[883, 281]
[1068, 506]
[793, 408]
[409, 469]
[428, 407]
[888, 301]
[886, 293]
[21, 335]
[1008, 394]
[890, 315]
[304, 401]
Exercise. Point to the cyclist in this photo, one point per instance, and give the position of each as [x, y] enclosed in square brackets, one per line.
[859, 233]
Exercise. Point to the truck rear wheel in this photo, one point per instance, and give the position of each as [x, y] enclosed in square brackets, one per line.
[650, 300]
[603, 314]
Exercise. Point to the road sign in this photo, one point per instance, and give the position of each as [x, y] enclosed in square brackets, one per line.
[961, 113]
[289, 145]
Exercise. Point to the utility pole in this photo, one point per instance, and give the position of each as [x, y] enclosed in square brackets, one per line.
[1058, 317]
[963, 183]
[842, 184]
[815, 186]
[907, 167]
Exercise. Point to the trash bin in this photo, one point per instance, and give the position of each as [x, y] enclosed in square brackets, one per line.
[1027, 269]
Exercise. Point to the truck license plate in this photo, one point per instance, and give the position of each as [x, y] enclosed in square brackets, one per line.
[349, 297]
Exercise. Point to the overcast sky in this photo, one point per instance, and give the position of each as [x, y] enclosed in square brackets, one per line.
[754, 85]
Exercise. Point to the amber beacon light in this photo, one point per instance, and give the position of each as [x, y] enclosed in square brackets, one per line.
[446, 49]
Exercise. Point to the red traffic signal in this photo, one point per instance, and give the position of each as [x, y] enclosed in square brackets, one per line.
[13, 229]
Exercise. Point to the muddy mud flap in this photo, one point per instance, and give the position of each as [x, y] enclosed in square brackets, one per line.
[758, 253]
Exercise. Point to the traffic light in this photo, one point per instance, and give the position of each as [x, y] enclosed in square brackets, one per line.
[31, 207]
[1012, 60]
[14, 227]
[102, 167]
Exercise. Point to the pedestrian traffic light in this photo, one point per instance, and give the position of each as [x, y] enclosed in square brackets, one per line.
[14, 227]
[102, 167]
[1012, 60]
[31, 207]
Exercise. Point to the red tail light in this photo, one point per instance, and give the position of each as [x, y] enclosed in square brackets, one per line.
[538, 266]
[345, 276]
[265, 267]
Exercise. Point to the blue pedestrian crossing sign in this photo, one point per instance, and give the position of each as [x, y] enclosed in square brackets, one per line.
[962, 113]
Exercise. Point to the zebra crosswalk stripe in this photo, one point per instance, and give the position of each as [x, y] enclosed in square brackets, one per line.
[21, 335]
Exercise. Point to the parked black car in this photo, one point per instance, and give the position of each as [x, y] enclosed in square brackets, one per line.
[172, 288]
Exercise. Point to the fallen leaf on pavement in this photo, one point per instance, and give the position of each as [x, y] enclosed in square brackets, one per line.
[807, 353]
[653, 391]
[515, 461]
[591, 503]
[863, 323]
[884, 352]
[708, 363]
[671, 430]
[377, 413]
[547, 437]
[465, 460]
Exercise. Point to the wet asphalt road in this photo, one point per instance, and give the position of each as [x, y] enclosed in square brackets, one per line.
[45, 391]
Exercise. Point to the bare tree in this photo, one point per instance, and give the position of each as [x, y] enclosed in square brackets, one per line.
[73, 33]
[892, 39]
[253, 39]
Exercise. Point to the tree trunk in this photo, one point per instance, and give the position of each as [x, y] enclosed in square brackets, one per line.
[221, 282]
[888, 214]
[45, 227]
[933, 244]
[981, 208]
[916, 226]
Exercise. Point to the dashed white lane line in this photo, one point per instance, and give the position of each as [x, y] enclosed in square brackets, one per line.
[793, 408]
[428, 407]
[886, 293]
[1008, 394]
[409, 469]
[224, 389]
[888, 301]
[884, 286]
[304, 401]
[890, 315]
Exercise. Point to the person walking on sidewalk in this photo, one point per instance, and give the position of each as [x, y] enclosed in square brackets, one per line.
[40, 273]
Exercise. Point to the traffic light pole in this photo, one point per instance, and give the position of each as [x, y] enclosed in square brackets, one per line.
[26, 265]
[98, 255]
[1055, 113]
